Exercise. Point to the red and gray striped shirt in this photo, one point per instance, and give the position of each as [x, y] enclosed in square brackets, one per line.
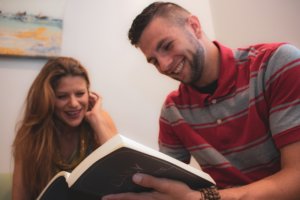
[236, 133]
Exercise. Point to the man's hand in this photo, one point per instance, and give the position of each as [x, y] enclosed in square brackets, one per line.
[164, 189]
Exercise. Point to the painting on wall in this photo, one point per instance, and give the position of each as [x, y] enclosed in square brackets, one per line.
[31, 28]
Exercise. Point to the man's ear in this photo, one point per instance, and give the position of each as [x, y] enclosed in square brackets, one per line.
[195, 25]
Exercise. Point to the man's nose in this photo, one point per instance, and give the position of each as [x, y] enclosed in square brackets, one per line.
[164, 63]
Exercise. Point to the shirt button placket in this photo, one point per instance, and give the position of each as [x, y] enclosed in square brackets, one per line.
[219, 121]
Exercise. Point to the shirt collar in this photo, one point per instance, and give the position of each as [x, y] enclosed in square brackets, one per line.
[227, 74]
[228, 71]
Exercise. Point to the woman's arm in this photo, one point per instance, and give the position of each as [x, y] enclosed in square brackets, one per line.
[101, 122]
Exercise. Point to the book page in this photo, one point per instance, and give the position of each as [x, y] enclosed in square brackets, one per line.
[57, 188]
[113, 174]
[108, 147]
[119, 141]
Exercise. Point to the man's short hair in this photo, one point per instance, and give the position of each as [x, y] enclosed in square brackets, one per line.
[168, 10]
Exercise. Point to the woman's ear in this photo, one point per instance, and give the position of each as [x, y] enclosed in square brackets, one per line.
[195, 25]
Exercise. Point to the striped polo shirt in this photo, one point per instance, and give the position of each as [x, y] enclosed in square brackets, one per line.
[236, 133]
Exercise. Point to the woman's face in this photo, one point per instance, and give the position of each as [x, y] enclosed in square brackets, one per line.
[71, 100]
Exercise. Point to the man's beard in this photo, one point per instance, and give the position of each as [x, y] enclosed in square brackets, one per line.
[196, 66]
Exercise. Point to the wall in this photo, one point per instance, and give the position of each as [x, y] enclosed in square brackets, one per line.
[242, 22]
[95, 32]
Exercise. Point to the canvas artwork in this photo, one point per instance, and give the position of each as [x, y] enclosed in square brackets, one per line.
[31, 28]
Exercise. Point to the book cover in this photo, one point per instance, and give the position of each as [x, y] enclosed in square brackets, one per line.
[109, 169]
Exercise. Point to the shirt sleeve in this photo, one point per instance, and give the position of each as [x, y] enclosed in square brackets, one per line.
[169, 143]
[282, 86]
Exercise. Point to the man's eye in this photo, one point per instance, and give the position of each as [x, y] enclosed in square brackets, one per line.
[167, 46]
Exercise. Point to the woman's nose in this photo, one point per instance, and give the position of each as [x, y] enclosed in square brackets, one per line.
[73, 101]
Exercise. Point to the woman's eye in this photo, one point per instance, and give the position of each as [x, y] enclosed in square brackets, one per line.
[80, 94]
[61, 96]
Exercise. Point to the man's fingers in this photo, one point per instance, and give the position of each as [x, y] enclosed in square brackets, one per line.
[158, 184]
[127, 196]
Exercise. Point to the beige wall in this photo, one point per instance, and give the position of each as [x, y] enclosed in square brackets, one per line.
[95, 32]
[242, 22]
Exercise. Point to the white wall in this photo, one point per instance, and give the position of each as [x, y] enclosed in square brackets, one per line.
[242, 22]
[95, 32]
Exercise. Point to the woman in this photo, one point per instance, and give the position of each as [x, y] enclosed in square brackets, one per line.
[63, 122]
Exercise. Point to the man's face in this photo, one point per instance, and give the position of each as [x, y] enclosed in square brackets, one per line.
[173, 50]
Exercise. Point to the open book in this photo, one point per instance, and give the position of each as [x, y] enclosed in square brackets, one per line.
[109, 170]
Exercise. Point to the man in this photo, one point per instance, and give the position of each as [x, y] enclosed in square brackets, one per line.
[236, 111]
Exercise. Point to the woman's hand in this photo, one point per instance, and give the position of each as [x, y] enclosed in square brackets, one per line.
[101, 122]
[164, 189]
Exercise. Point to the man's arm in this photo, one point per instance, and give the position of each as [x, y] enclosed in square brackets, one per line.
[283, 185]
[163, 189]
